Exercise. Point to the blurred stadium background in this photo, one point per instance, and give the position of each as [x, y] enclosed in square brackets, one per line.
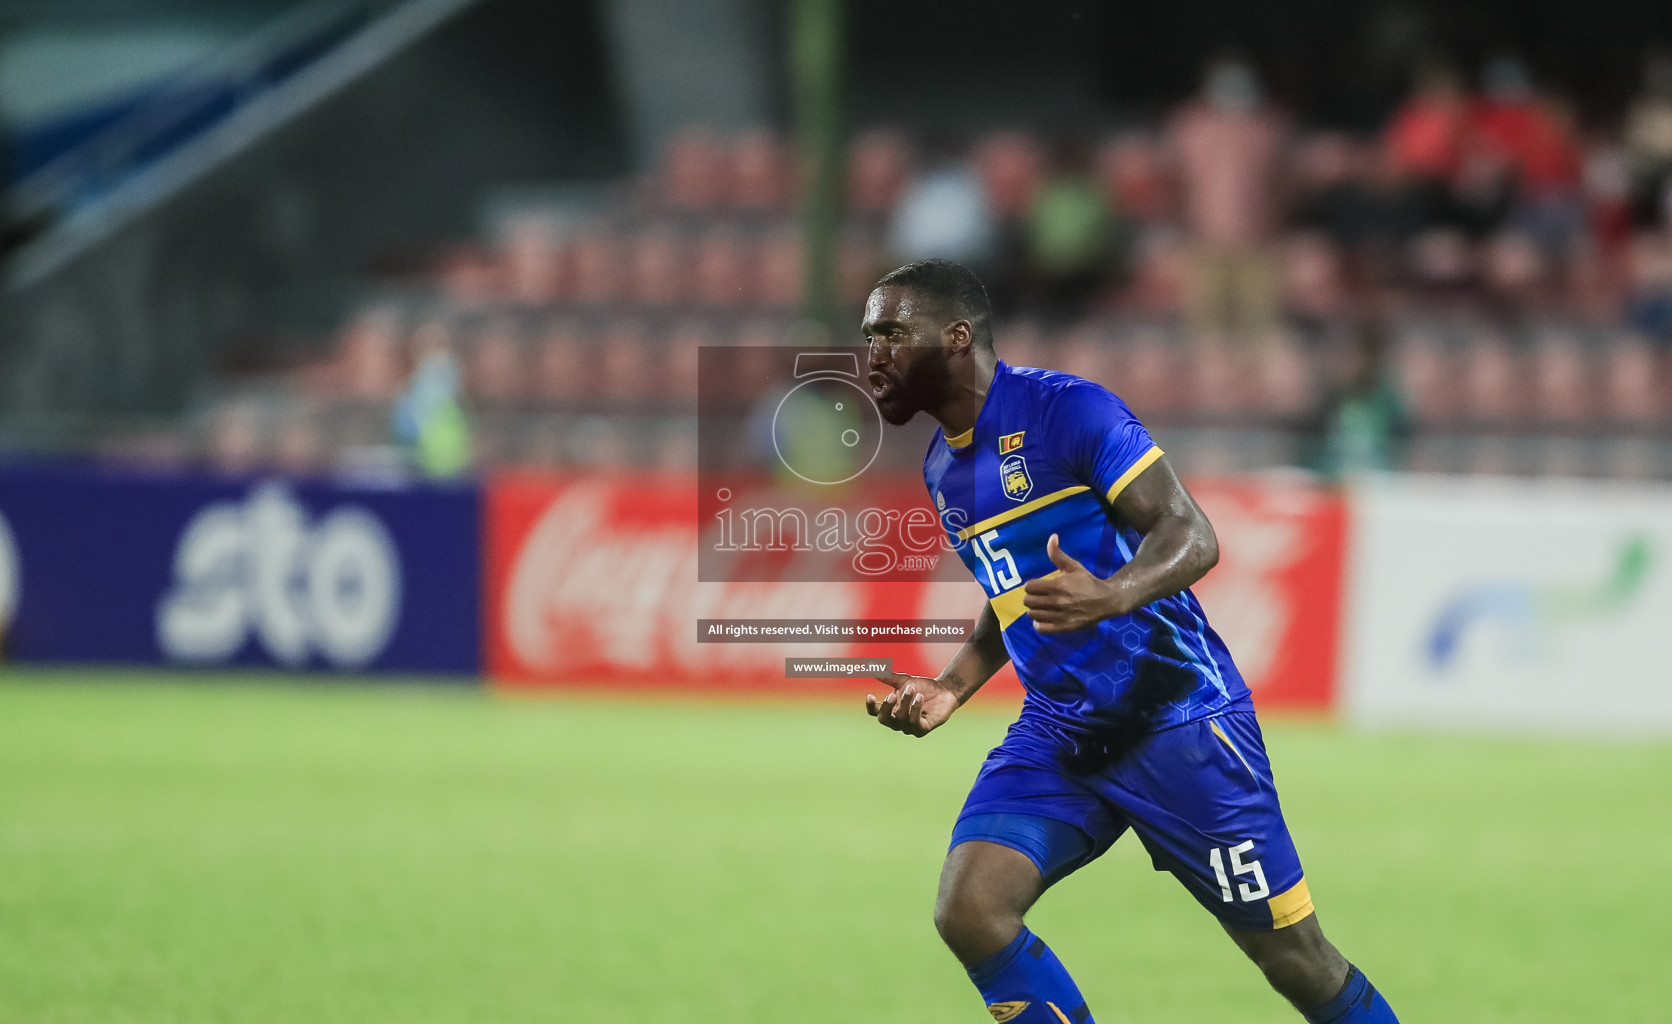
[348, 362]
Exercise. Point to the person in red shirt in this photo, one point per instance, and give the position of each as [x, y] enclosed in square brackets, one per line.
[1425, 137]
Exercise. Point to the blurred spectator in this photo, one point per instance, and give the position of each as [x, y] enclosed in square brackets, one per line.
[1229, 146]
[1362, 423]
[1372, 208]
[1527, 160]
[1425, 137]
[428, 419]
[1070, 238]
[1648, 142]
[945, 214]
[1136, 178]
[1649, 305]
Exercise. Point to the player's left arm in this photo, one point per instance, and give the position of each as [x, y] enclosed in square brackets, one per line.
[1178, 548]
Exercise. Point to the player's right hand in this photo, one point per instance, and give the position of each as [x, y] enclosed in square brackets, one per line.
[916, 706]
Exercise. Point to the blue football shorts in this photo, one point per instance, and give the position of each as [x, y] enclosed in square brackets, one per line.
[1200, 797]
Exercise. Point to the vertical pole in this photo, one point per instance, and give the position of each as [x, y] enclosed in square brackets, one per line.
[816, 29]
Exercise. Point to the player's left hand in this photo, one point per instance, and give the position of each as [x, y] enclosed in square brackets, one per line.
[1071, 599]
[916, 707]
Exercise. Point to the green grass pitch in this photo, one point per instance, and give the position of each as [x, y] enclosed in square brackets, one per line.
[177, 850]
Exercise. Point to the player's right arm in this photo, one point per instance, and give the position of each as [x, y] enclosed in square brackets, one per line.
[918, 704]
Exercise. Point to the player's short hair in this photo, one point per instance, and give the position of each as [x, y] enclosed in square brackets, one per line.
[954, 286]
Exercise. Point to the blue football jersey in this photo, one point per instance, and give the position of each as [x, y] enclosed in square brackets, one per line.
[1048, 454]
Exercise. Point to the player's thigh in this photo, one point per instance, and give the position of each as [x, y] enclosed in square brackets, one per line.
[1202, 799]
[1023, 827]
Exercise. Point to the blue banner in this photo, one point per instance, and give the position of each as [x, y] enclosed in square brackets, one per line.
[103, 566]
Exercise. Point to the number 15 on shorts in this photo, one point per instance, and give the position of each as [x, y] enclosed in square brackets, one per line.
[1239, 867]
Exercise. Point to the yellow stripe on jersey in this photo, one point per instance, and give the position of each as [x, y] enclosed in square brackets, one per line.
[1291, 906]
[1144, 462]
[962, 440]
[1019, 511]
[1060, 1015]
[1008, 605]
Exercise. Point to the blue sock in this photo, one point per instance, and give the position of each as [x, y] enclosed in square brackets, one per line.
[1358, 1002]
[1025, 983]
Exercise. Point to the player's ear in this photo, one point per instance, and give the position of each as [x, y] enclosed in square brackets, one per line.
[959, 335]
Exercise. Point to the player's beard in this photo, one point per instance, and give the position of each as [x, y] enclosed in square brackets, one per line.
[924, 385]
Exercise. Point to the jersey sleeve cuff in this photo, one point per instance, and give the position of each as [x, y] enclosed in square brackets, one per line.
[1144, 462]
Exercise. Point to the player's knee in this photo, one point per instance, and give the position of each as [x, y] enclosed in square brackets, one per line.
[974, 929]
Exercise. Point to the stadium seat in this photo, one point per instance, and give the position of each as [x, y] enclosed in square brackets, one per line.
[299, 443]
[1442, 260]
[1088, 352]
[1428, 379]
[1633, 383]
[1009, 165]
[1513, 267]
[1220, 382]
[1493, 386]
[1019, 343]
[724, 266]
[1562, 380]
[471, 275]
[370, 355]
[238, 437]
[532, 260]
[660, 268]
[694, 174]
[761, 172]
[859, 262]
[778, 280]
[598, 274]
[627, 373]
[1283, 384]
[1151, 374]
[878, 162]
[562, 371]
[495, 370]
[1314, 278]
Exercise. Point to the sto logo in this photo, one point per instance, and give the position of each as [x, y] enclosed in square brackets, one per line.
[331, 587]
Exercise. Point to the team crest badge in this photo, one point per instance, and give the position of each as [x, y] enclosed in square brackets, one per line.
[1010, 442]
[1013, 474]
[1006, 1011]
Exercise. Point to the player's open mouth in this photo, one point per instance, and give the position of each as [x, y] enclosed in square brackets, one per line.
[880, 385]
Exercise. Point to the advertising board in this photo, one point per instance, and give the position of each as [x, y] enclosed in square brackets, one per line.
[1510, 605]
[192, 571]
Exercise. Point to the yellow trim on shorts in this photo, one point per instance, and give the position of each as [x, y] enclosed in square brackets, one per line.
[1291, 907]
[1217, 731]
[1144, 462]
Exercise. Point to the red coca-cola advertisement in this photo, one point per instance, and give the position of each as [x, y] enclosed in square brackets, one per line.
[592, 581]
[1275, 596]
